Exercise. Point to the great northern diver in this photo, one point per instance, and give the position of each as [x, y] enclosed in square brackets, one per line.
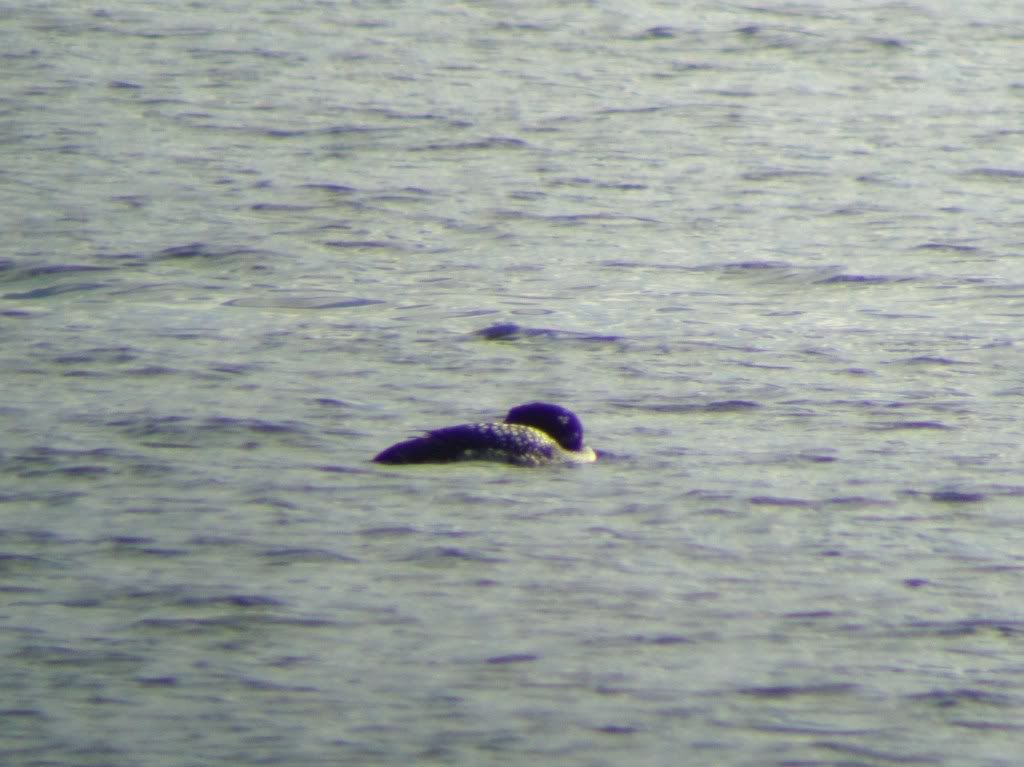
[532, 435]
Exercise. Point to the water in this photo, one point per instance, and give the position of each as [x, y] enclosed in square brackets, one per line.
[776, 247]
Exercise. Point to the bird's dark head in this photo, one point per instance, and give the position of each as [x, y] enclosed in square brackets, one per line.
[563, 425]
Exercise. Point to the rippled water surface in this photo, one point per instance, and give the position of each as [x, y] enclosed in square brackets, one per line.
[770, 253]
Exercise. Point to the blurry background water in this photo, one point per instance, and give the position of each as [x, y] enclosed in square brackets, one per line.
[769, 252]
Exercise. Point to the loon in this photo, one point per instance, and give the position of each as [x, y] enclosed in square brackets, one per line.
[534, 434]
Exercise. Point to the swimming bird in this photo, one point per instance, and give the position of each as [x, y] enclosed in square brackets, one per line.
[533, 434]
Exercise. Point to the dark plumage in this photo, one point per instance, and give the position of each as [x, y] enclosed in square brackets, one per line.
[532, 434]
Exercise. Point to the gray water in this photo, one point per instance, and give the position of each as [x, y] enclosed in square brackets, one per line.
[770, 253]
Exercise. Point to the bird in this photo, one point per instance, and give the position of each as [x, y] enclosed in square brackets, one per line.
[534, 434]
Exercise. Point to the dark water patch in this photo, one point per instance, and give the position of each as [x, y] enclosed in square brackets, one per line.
[82, 602]
[84, 374]
[272, 502]
[148, 426]
[811, 615]
[279, 207]
[235, 622]
[215, 540]
[255, 425]
[296, 555]
[510, 331]
[876, 756]
[912, 425]
[998, 174]
[130, 540]
[56, 290]
[365, 245]
[414, 196]
[661, 640]
[928, 359]
[956, 496]
[83, 471]
[134, 202]
[890, 43]
[575, 219]
[202, 251]
[265, 685]
[580, 181]
[1009, 629]
[504, 660]
[333, 130]
[756, 265]
[232, 600]
[618, 729]
[178, 432]
[335, 469]
[51, 269]
[791, 691]
[729, 406]
[491, 142]
[445, 554]
[165, 552]
[861, 279]
[191, 250]
[387, 532]
[985, 726]
[340, 189]
[776, 174]
[22, 712]
[157, 681]
[332, 402]
[39, 461]
[109, 355]
[150, 371]
[958, 697]
[656, 640]
[301, 301]
[669, 267]
[858, 208]
[815, 458]
[234, 368]
[660, 32]
[13, 564]
[952, 246]
[770, 500]
[855, 502]
[764, 366]
[59, 655]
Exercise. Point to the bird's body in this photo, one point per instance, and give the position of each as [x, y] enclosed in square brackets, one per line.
[531, 435]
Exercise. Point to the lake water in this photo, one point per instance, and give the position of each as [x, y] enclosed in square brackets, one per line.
[770, 253]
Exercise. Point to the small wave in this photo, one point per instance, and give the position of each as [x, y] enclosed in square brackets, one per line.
[770, 500]
[910, 425]
[956, 496]
[861, 279]
[510, 331]
[1005, 174]
[946, 246]
[55, 290]
[300, 301]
